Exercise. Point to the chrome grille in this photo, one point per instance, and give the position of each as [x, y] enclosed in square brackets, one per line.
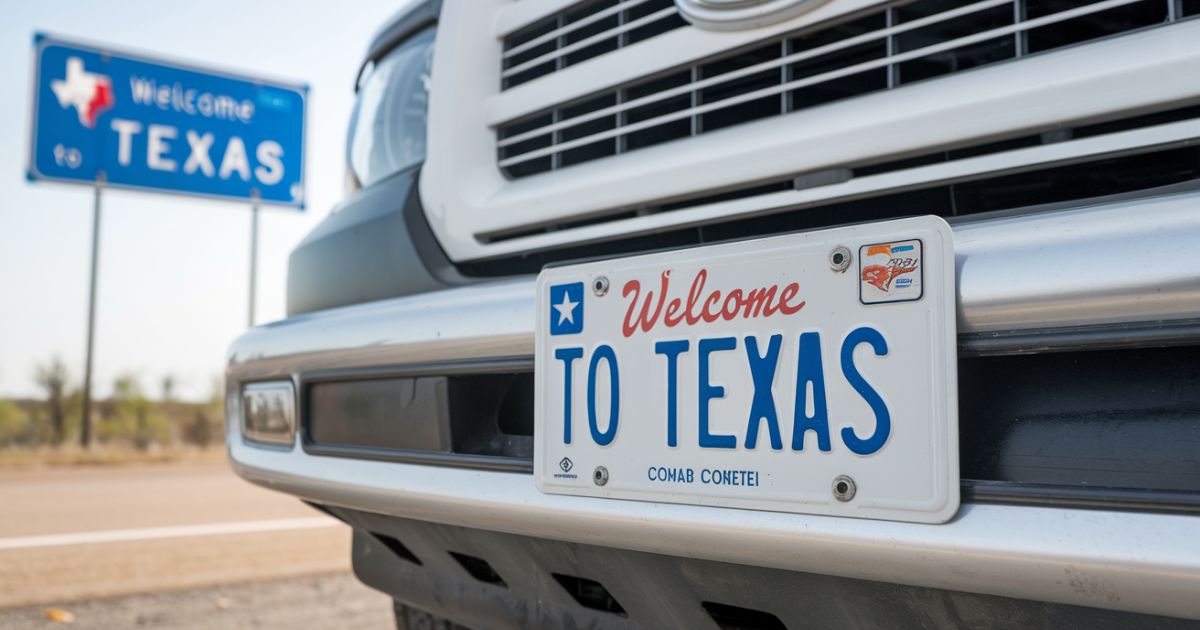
[1041, 167]
[585, 30]
[895, 45]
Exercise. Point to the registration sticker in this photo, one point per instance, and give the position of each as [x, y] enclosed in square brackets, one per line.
[890, 272]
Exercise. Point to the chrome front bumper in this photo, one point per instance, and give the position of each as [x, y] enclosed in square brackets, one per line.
[1111, 274]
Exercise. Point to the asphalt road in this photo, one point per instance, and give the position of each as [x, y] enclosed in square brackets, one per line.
[172, 545]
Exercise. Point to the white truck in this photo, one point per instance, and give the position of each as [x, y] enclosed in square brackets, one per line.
[755, 314]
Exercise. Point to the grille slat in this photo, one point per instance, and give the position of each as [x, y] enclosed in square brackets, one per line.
[893, 46]
[699, 84]
[587, 41]
[583, 31]
[509, 53]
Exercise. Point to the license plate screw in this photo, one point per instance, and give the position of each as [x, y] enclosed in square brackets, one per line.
[600, 286]
[600, 476]
[843, 488]
[839, 259]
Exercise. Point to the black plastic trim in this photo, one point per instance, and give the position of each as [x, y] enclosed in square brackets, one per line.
[1126, 499]
[500, 365]
[503, 365]
[1103, 337]
[1021, 491]
[428, 458]
[376, 244]
[669, 591]
[426, 244]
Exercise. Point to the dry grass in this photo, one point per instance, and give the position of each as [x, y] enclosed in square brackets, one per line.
[105, 456]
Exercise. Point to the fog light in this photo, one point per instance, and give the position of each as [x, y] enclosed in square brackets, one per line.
[269, 412]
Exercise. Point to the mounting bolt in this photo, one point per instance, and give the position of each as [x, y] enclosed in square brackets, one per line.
[843, 488]
[600, 288]
[600, 476]
[839, 259]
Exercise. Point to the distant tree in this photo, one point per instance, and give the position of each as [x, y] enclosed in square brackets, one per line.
[134, 415]
[74, 411]
[14, 423]
[199, 430]
[168, 388]
[52, 377]
[207, 423]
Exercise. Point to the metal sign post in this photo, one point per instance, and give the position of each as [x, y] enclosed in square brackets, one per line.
[85, 431]
[253, 259]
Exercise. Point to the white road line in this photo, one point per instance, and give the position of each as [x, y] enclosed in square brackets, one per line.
[179, 531]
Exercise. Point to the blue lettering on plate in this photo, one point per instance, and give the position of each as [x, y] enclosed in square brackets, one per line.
[567, 356]
[672, 350]
[707, 391]
[729, 477]
[604, 351]
[670, 474]
[808, 370]
[883, 419]
[762, 407]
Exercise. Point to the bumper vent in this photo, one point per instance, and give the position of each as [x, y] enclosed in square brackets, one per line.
[889, 47]
[585, 30]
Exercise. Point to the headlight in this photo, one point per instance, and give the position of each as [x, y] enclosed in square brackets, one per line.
[269, 412]
[387, 129]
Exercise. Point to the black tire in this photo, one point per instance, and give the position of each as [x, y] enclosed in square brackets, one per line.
[408, 618]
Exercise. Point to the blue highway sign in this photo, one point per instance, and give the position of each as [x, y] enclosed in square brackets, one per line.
[133, 122]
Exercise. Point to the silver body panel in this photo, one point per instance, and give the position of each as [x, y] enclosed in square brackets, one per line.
[1052, 270]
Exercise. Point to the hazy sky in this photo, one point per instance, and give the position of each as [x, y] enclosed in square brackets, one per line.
[173, 271]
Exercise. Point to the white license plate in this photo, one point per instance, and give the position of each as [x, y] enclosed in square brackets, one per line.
[811, 373]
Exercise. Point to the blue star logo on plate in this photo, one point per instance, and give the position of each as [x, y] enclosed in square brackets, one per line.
[566, 309]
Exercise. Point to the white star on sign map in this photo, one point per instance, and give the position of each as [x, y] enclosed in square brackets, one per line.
[566, 310]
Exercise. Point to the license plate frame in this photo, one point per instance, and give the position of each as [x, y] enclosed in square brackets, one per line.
[832, 288]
